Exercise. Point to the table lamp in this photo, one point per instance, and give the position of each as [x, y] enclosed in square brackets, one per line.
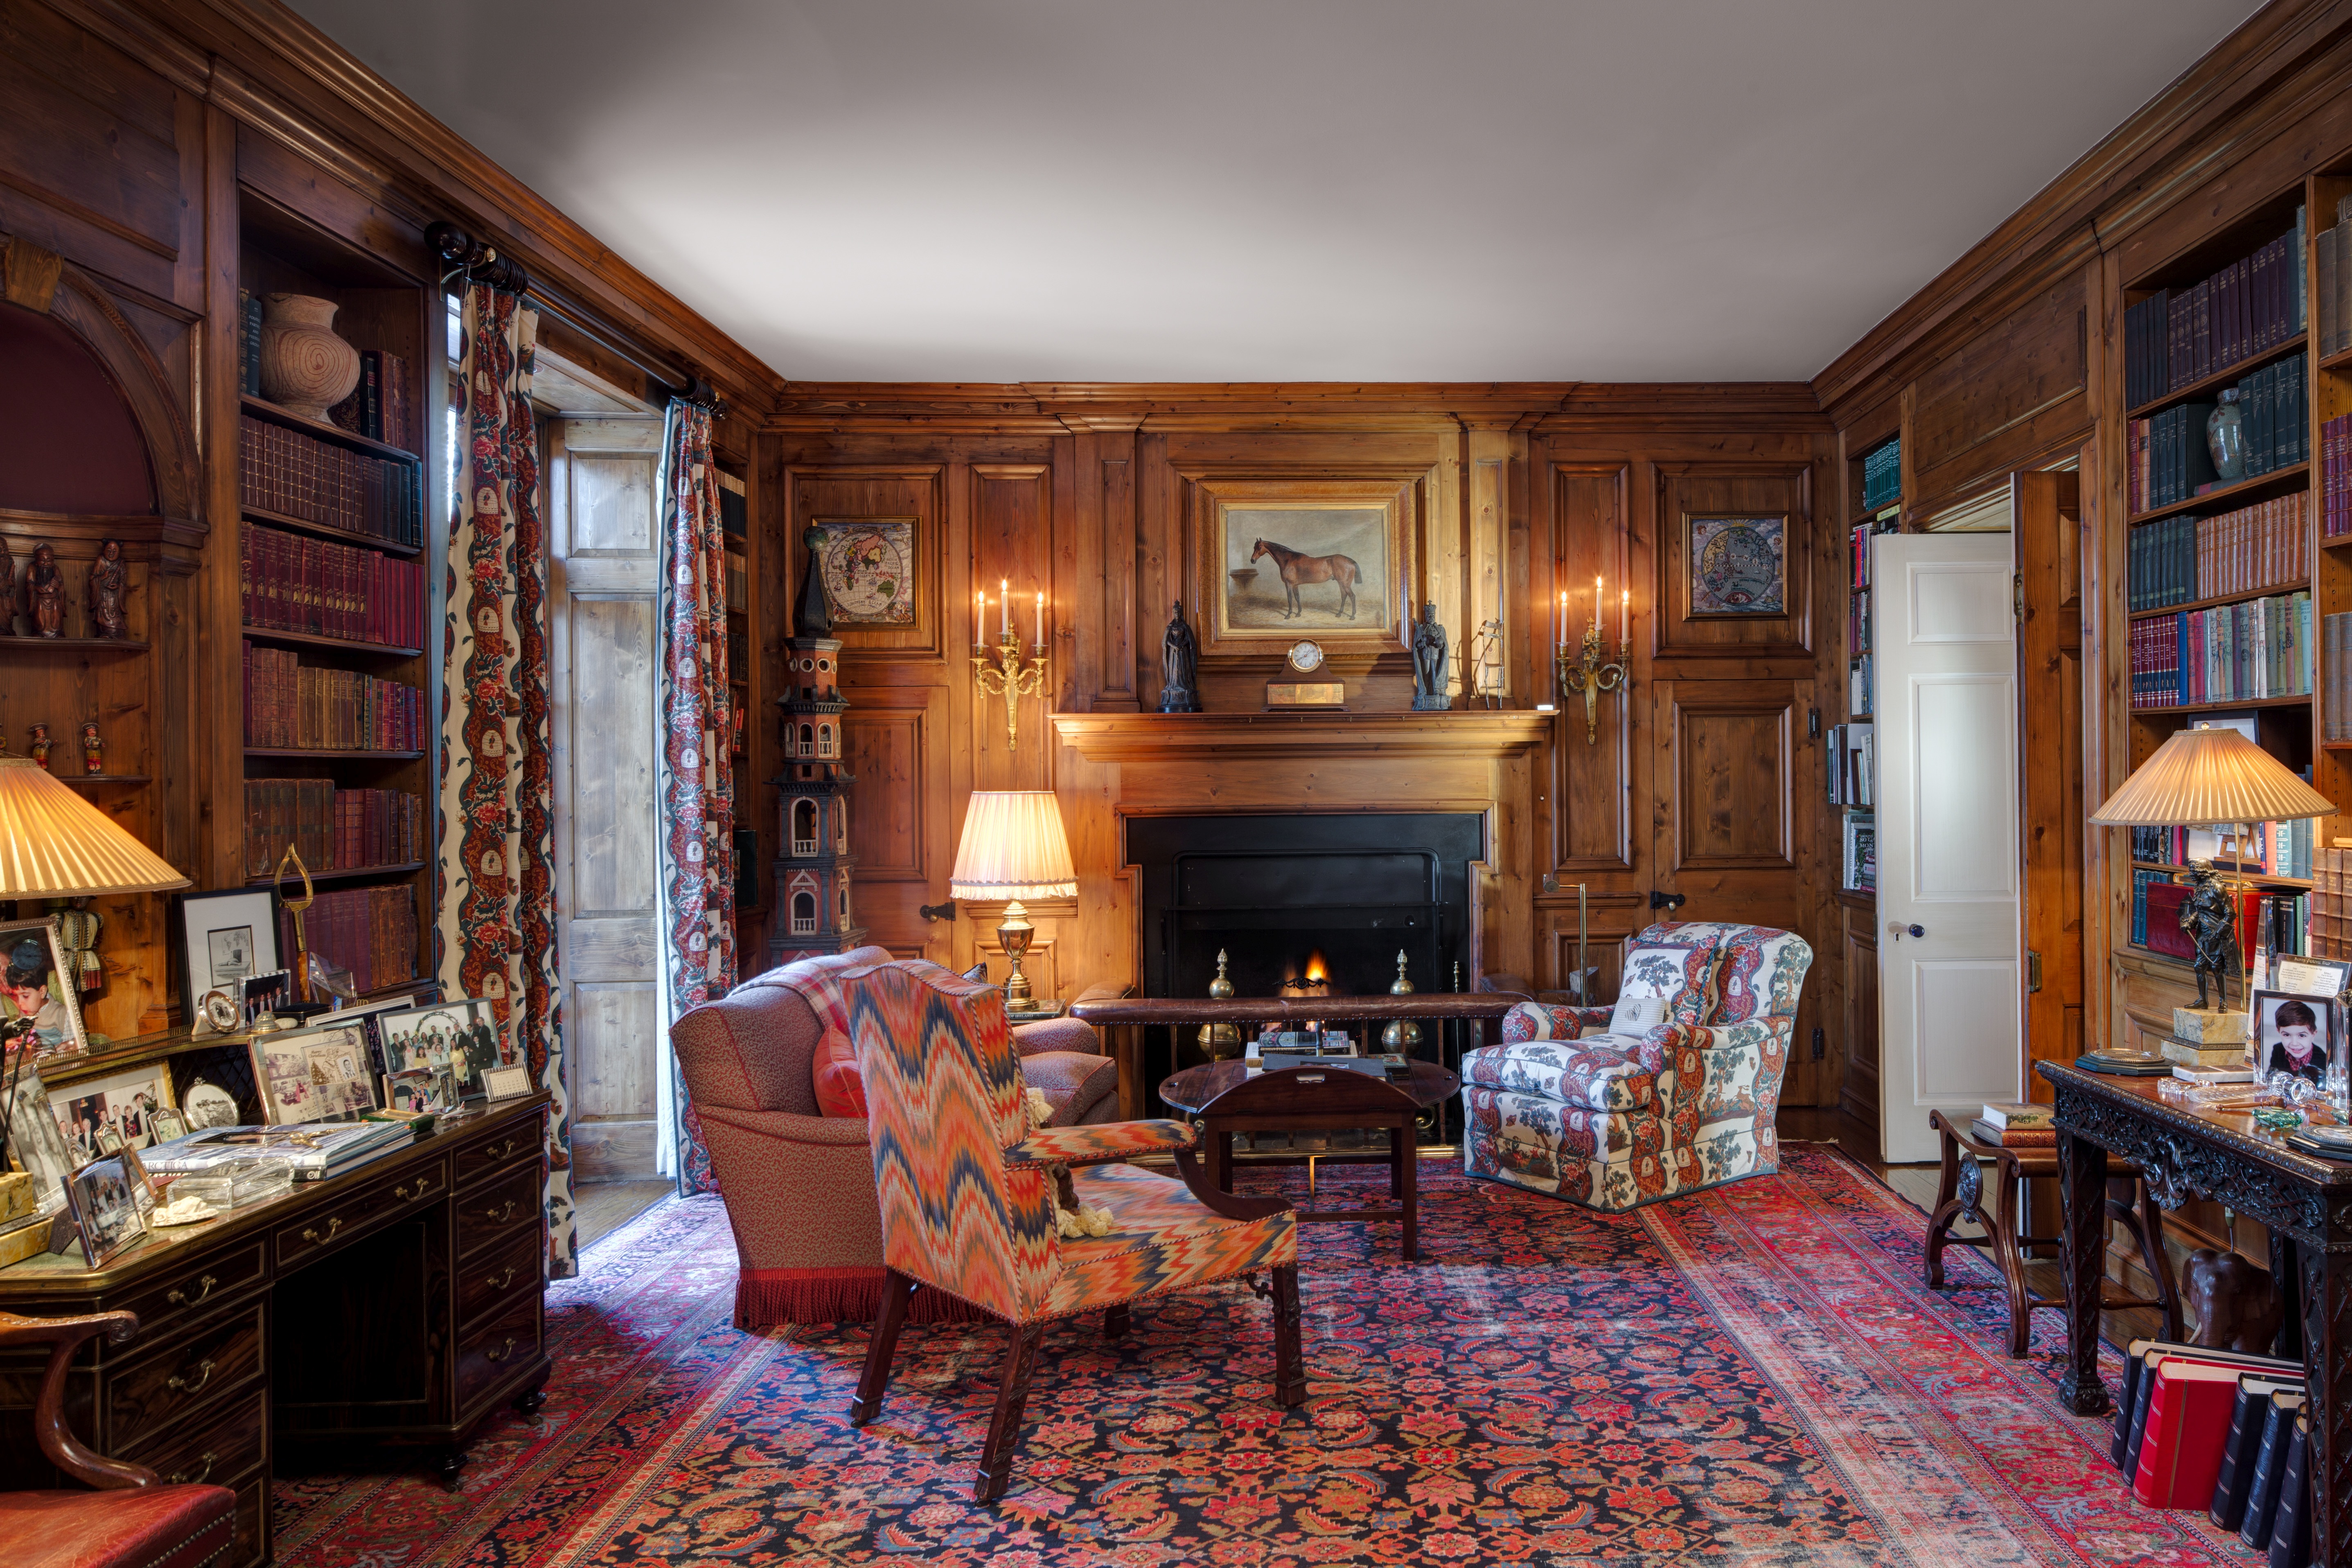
[2208, 777]
[1013, 849]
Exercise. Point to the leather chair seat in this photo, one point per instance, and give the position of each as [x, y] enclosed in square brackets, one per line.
[135, 1527]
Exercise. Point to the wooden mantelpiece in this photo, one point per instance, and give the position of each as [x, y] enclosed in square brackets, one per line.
[1484, 733]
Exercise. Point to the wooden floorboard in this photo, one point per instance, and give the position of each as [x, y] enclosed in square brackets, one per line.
[603, 1207]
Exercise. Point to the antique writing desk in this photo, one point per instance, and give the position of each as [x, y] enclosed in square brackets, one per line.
[401, 1301]
[2306, 1202]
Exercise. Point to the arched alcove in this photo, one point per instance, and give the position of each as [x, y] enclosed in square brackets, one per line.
[68, 440]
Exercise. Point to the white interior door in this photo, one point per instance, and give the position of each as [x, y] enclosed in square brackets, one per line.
[1946, 706]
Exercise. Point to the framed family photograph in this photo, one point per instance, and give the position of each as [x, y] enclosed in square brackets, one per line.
[2294, 1041]
[320, 1074]
[225, 939]
[108, 1115]
[460, 1039]
[1285, 559]
[35, 982]
[1738, 565]
[37, 1143]
[104, 1196]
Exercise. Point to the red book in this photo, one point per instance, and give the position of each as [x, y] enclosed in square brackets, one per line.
[2188, 1425]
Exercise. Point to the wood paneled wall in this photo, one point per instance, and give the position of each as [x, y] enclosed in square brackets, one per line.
[1700, 780]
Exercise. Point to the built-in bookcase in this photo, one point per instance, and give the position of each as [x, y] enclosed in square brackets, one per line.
[341, 712]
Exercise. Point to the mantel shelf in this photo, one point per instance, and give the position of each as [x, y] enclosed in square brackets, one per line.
[1472, 732]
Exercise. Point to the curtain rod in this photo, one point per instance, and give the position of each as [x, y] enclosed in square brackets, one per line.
[480, 263]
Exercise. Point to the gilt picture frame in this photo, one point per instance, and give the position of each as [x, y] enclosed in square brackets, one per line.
[36, 979]
[1277, 560]
[1735, 566]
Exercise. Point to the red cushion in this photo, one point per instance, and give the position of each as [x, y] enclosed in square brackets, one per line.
[134, 1527]
[839, 1090]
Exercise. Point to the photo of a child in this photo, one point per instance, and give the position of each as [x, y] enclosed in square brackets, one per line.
[2293, 1039]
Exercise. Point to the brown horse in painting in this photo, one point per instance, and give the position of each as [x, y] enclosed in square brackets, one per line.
[1298, 567]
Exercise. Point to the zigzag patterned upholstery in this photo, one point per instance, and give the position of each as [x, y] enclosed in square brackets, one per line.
[1613, 1121]
[967, 1193]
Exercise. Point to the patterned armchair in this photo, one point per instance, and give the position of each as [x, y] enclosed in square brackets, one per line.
[969, 1205]
[1673, 1089]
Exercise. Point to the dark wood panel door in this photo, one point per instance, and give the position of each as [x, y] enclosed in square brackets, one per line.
[2048, 512]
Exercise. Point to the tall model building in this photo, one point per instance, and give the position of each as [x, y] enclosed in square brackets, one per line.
[813, 863]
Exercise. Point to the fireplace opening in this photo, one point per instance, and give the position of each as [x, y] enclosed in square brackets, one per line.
[1301, 904]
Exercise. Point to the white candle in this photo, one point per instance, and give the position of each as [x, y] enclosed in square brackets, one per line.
[1004, 607]
[1560, 626]
[979, 619]
[1596, 604]
[1041, 620]
[1624, 614]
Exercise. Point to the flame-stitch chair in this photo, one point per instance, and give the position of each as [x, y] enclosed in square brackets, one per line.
[969, 1202]
[1615, 1122]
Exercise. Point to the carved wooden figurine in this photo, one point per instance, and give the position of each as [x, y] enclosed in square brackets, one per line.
[37, 745]
[106, 582]
[2236, 1304]
[93, 749]
[45, 593]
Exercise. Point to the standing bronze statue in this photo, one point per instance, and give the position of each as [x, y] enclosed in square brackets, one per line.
[1429, 659]
[2212, 926]
[1180, 665]
[45, 593]
[105, 591]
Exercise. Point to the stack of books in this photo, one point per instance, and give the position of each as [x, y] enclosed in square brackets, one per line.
[293, 583]
[328, 486]
[302, 1151]
[2014, 1125]
[1860, 873]
[2336, 477]
[2221, 1431]
[2244, 652]
[1882, 473]
[289, 705]
[2177, 336]
[333, 830]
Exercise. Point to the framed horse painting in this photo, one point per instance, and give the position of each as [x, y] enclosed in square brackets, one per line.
[1324, 559]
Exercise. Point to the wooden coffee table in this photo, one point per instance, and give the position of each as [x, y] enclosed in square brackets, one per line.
[1228, 1098]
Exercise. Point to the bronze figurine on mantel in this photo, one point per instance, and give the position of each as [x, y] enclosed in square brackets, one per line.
[1180, 665]
[1429, 662]
[105, 592]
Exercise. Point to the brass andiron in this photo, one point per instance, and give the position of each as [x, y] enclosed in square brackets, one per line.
[1013, 679]
[1401, 1034]
[1587, 673]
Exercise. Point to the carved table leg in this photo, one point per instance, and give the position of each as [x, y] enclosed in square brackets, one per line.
[2083, 1190]
[2326, 1312]
[1948, 1185]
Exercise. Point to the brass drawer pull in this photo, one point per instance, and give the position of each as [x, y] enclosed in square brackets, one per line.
[186, 1384]
[507, 1148]
[179, 1298]
[423, 1185]
[182, 1477]
[312, 1234]
[503, 1351]
[504, 1214]
[506, 1278]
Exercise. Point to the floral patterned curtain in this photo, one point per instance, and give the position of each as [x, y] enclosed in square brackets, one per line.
[496, 878]
[696, 784]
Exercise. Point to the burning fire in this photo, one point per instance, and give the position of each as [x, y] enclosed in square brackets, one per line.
[1317, 971]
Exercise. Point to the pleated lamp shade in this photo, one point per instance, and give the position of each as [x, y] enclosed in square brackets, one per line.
[2209, 778]
[55, 845]
[1013, 848]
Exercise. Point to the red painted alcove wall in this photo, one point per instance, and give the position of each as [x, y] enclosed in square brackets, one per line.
[67, 442]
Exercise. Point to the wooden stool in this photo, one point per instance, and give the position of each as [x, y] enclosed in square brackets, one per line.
[1960, 1192]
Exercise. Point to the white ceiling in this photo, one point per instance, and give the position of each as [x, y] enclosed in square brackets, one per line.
[1275, 190]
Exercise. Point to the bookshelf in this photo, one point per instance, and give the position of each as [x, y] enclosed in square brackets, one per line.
[735, 485]
[340, 731]
[2239, 308]
[1876, 506]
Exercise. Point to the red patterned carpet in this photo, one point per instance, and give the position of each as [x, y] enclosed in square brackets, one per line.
[1748, 1376]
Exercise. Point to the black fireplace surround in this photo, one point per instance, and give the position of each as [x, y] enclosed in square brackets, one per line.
[1270, 890]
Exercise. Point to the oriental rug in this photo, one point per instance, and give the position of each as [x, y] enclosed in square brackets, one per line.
[1752, 1375]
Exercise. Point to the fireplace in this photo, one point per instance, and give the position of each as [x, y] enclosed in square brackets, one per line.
[1275, 891]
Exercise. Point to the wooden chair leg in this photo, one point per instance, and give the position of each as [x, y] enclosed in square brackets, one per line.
[1947, 1183]
[1004, 1425]
[1290, 1371]
[2012, 1265]
[898, 1290]
[1114, 1322]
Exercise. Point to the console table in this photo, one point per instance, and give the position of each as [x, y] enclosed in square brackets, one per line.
[2306, 1202]
[403, 1301]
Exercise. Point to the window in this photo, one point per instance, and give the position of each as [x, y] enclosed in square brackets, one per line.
[803, 828]
[808, 740]
[804, 915]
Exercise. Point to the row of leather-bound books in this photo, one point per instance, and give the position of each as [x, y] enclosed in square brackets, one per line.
[2220, 1431]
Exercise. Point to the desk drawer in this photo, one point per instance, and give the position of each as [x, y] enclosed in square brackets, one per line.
[150, 1392]
[486, 1155]
[384, 1195]
[214, 1446]
[196, 1291]
[493, 1210]
[500, 1271]
[500, 1344]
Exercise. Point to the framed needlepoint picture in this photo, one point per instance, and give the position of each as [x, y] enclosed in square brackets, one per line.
[869, 565]
[1737, 565]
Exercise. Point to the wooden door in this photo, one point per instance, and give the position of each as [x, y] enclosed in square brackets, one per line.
[603, 492]
[1947, 728]
[2049, 533]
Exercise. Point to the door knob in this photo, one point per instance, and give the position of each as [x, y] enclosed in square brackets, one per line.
[1900, 931]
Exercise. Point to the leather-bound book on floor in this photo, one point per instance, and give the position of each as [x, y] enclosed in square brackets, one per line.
[2140, 1358]
[2290, 1527]
[2189, 1412]
[2270, 1458]
[2236, 1477]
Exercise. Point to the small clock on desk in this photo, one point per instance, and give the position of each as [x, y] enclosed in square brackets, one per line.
[1305, 658]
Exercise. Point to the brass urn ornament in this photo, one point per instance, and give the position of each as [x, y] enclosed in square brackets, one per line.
[1401, 1034]
[1221, 1040]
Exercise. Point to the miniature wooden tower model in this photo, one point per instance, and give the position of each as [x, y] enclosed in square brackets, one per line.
[813, 863]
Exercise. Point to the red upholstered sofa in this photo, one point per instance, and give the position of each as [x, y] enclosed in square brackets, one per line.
[798, 1184]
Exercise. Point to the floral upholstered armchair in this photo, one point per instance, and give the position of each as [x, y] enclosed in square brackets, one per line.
[1672, 1089]
[1029, 1224]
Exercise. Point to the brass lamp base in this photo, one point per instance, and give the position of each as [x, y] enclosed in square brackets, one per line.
[1014, 934]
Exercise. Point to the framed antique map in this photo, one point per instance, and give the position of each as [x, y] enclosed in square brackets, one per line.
[869, 566]
[1738, 565]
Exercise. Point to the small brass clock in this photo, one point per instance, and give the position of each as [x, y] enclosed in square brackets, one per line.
[1306, 656]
